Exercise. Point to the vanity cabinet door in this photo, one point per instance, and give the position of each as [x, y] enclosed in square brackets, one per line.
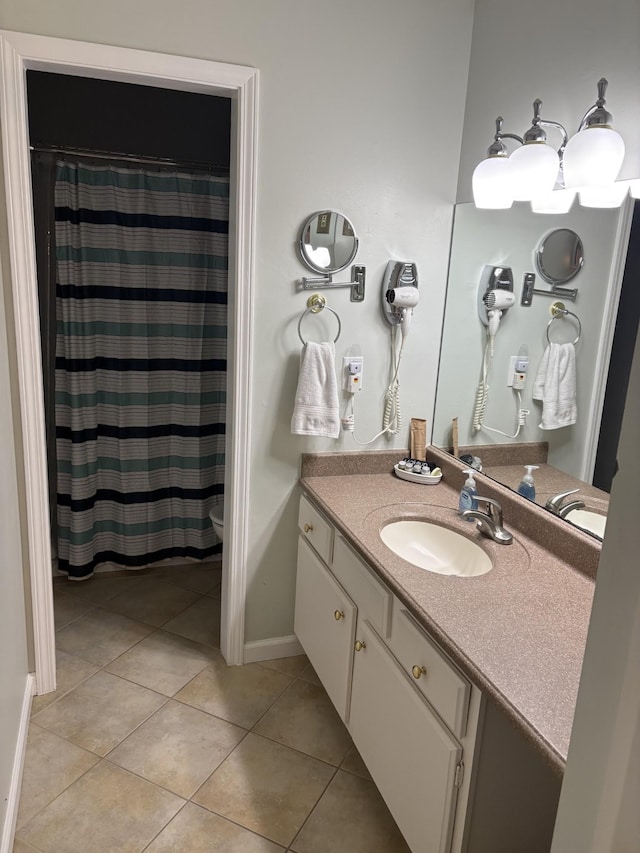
[410, 754]
[325, 619]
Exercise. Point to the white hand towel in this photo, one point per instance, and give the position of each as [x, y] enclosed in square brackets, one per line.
[316, 406]
[555, 385]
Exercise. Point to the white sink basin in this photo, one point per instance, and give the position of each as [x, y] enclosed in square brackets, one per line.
[588, 520]
[436, 549]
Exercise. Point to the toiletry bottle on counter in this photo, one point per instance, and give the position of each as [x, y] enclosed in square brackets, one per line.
[526, 487]
[468, 493]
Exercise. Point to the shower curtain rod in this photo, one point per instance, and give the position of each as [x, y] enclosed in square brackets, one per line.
[131, 158]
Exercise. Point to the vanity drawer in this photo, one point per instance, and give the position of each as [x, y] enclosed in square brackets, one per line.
[446, 689]
[373, 599]
[315, 529]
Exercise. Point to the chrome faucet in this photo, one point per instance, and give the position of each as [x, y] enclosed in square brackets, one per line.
[490, 522]
[558, 508]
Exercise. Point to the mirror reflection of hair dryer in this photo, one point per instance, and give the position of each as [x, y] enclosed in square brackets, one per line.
[495, 297]
[496, 302]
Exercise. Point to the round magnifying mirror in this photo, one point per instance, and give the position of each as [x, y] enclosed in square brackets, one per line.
[328, 242]
[560, 256]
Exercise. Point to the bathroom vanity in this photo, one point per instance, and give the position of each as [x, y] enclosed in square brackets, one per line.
[458, 692]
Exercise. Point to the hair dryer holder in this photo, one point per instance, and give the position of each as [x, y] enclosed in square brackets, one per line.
[492, 278]
[400, 276]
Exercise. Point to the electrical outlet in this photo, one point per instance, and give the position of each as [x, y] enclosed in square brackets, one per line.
[517, 372]
[352, 373]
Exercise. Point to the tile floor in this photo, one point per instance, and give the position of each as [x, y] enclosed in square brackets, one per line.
[151, 743]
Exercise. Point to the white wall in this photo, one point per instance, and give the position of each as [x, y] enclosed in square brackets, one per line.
[345, 123]
[13, 637]
[555, 50]
[511, 238]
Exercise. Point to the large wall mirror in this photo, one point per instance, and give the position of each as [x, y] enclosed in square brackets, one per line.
[568, 455]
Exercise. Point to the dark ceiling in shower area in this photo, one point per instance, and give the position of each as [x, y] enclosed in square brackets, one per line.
[87, 113]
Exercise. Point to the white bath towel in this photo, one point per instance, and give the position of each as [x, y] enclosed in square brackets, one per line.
[555, 385]
[316, 406]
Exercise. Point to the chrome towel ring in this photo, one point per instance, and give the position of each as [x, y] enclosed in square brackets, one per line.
[558, 311]
[315, 304]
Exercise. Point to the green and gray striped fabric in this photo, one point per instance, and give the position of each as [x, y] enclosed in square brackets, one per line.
[141, 308]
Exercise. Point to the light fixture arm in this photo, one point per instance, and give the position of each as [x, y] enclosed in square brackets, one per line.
[597, 115]
[497, 148]
[536, 132]
[561, 128]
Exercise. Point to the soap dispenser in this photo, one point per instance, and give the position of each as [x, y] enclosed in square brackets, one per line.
[468, 493]
[526, 487]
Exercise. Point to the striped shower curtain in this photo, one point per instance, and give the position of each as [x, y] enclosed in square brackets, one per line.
[140, 367]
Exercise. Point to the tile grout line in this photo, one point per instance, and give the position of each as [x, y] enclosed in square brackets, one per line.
[181, 809]
[64, 790]
[312, 810]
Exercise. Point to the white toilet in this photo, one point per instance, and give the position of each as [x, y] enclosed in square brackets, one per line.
[217, 519]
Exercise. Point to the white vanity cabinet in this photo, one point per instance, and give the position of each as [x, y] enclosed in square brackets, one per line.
[325, 622]
[411, 727]
[456, 773]
[412, 757]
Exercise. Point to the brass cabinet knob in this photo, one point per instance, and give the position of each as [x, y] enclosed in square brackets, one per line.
[308, 528]
[418, 671]
[338, 615]
[360, 645]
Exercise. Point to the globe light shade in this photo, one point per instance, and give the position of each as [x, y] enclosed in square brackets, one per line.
[610, 196]
[534, 170]
[558, 201]
[491, 184]
[593, 157]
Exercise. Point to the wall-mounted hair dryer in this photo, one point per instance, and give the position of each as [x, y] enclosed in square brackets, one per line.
[400, 293]
[495, 296]
[496, 302]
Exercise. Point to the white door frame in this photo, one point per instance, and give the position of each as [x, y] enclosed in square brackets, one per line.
[20, 52]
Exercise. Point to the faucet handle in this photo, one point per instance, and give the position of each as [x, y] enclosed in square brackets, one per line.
[494, 510]
[554, 502]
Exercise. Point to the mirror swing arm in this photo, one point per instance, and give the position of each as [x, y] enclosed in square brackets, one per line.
[357, 283]
[528, 291]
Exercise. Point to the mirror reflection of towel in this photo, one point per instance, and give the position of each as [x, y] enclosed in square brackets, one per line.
[316, 409]
[555, 385]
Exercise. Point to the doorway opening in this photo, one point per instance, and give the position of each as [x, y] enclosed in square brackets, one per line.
[131, 197]
[21, 53]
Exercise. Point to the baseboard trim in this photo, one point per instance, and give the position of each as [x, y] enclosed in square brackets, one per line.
[275, 647]
[9, 829]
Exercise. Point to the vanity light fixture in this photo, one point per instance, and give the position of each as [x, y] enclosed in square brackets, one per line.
[492, 177]
[535, 165]
[588, 164]
[594, 155]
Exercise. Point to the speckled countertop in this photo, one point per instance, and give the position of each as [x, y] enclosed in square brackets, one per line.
[518, 632]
